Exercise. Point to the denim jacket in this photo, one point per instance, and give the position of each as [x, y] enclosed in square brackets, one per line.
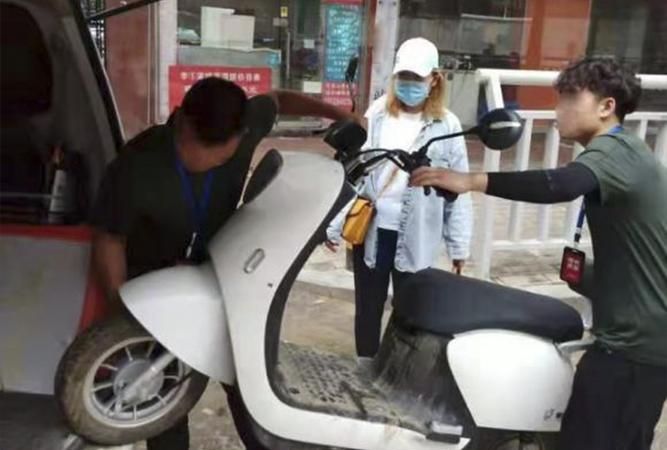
[424, 219]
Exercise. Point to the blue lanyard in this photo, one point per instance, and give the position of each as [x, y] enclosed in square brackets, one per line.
[582, 212]
[617, 129]
[198, 208]
[580, 224]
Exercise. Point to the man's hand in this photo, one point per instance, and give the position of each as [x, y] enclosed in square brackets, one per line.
[458, 265]
[331, 245]
[293, 103]
[449, 180]
[115, 303]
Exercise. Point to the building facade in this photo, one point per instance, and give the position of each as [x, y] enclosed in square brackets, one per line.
[154, 54]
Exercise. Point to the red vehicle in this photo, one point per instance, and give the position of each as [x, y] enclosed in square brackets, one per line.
[59, 128]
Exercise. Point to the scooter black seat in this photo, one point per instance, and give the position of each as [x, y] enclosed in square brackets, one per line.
[443, 303]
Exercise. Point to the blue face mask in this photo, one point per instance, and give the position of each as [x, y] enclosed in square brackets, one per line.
[412, 93]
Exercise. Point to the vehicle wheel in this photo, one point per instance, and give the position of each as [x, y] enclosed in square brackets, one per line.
[103, 361]
[512, 440]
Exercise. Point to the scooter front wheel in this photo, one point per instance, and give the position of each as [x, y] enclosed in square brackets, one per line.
[117, 385]
[512, 440]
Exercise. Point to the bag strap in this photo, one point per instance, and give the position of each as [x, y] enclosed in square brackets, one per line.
[388, 183]
[396, 169]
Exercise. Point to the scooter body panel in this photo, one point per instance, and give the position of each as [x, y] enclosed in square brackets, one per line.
[182, 308]
[252, 256]
[511, 380]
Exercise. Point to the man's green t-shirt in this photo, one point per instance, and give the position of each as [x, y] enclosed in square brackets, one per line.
[627, 218]
[142, 197]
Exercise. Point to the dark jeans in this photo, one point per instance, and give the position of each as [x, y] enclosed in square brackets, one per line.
[175, 438]
[615, 404]
[370, 291]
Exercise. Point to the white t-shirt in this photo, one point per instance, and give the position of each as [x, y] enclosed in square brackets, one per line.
[397, 133]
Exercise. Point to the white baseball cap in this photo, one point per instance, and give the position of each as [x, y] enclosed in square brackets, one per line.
[418, 56]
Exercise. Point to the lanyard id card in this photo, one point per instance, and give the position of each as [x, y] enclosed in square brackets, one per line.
[574, 260]
[572, 265]
[198, 208]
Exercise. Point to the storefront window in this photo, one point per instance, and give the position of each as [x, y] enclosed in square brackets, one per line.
[640, 44]
[485, 33]
[303, 45]
[155, 53]
[541, 35]
[96, 27]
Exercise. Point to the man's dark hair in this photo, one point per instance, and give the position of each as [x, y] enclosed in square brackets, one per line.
[215, 109]
[604, 77]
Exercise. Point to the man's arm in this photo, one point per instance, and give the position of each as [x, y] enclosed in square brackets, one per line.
[534, 186]
[112, 217]
[293, 103]
[262, 111]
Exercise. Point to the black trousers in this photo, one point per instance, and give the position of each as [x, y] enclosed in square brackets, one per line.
[178, 437]
[371, 287]
[175, 438]
[615, 404]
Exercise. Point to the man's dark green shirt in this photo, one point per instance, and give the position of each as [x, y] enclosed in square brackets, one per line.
[628, 225]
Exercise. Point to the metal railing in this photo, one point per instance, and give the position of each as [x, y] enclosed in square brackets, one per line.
[642, 123]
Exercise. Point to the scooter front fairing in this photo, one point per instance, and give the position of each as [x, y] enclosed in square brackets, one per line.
[182, 308]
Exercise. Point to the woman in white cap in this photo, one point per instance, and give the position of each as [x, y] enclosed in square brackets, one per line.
[408, 225]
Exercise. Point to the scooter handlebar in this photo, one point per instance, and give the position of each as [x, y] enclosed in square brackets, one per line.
[407, 162]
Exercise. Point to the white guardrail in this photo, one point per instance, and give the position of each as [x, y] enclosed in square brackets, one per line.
[642, 123]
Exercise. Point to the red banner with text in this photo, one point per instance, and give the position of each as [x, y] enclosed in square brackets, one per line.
[253, 80]
[337, 94]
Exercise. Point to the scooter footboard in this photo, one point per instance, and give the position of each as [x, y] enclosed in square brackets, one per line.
[412, 370]
[511, 380]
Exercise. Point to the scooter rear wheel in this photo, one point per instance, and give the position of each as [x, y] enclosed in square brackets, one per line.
[101, 363]
[513, 440]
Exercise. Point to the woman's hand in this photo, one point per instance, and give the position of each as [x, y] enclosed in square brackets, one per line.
[449, 180]
[458, 265]
[331, 245]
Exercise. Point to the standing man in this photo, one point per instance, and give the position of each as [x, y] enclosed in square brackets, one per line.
[621, 384]
[175, 185]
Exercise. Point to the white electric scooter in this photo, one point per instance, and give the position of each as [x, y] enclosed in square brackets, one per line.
[464, 364]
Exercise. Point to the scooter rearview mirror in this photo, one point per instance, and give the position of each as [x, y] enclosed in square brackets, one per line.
[350, 78]
[499, 129]
[266, 171]
[351, 71]
[346, 137]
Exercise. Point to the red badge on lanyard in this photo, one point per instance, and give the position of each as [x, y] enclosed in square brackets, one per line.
[572, 265]
[574, 260]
